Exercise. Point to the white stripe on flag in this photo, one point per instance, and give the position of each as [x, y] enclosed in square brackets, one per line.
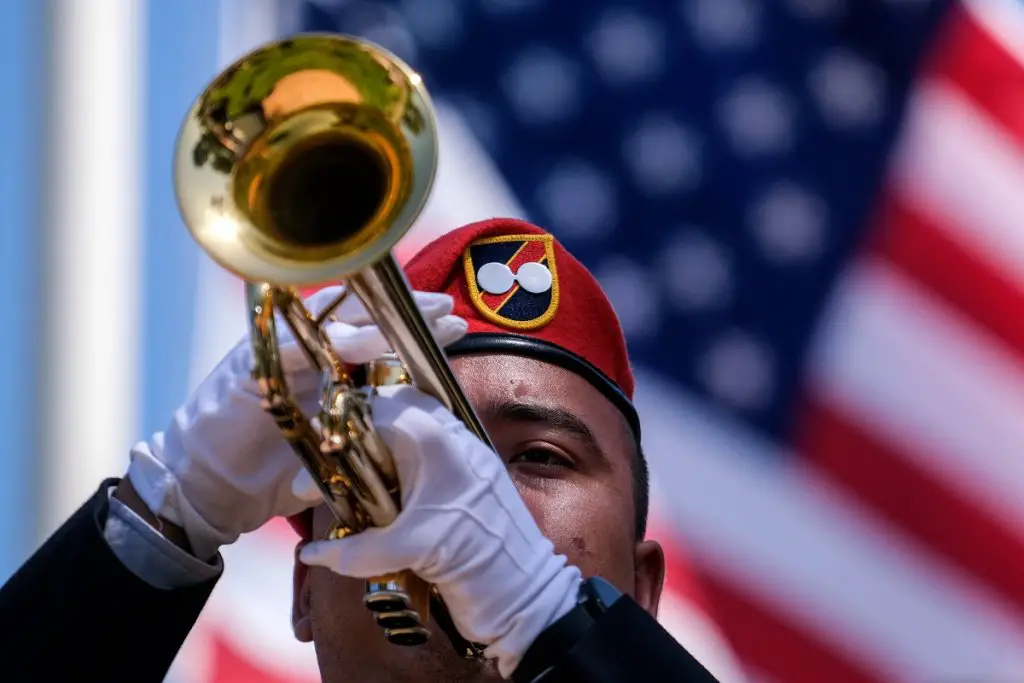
[89, 363]
[1004, 19]
[757, 518]
[468, 187]
[953, 164]
[699, 634]
[924, 377]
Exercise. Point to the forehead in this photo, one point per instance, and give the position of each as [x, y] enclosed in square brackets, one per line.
[491, 379]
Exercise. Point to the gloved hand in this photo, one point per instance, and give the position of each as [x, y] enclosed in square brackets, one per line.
[463, 527]
[222, 467]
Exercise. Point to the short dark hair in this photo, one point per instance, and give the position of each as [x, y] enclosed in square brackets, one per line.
[641, 491]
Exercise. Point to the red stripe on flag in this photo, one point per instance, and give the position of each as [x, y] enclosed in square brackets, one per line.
[695, 613]
[228, 665]
[766, 642]
[974, 61]
[963, 279]
[680, 577]
[912, 499]
[280, 531]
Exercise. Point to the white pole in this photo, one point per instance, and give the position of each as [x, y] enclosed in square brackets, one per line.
[91, 323]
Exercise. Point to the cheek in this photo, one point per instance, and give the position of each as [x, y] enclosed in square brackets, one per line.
[345, 636]
[336, 602]
[579, 522]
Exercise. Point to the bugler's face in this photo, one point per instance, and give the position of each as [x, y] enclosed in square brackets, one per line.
[570, 452]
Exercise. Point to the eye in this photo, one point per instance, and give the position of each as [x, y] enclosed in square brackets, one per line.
[541, 457]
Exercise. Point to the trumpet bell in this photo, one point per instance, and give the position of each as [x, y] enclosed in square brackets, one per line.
[306, 160]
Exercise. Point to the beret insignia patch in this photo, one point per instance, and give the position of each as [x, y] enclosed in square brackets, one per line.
[513, 280]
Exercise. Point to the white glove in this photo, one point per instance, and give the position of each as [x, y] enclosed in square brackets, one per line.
[463, 527]
[222, 468]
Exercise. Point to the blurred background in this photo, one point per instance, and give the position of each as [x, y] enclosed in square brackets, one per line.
[809, 215]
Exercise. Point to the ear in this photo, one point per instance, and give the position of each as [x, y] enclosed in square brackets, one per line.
[649, 575]
[301, 624]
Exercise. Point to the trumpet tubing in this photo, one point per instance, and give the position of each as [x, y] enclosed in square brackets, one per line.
[303, 164]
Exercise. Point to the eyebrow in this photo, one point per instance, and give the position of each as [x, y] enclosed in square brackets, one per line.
[552, 416]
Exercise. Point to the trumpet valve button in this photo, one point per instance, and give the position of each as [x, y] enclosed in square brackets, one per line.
[407, 636]
[403, 619]
[386, 601]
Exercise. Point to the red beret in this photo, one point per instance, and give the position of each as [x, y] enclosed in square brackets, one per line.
[522, 293]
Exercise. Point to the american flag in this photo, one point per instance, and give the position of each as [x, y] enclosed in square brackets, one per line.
[810, 217]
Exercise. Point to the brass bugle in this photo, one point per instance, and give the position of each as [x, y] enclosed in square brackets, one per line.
[303, 164]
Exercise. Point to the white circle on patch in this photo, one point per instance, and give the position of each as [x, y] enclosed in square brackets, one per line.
[495, 278]
[534, 277]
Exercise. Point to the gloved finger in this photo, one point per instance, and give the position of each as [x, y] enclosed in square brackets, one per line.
[361, 344]
[352, 344]
[305, 488]
[356, 345]
[432, 305]
[370, 553]
[392, 402]
[448, 329]
[319, 299]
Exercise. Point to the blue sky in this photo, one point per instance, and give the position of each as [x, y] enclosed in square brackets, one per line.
[181, 43]
[20, 72]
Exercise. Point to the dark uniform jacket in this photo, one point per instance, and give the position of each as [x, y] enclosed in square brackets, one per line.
[73, 612]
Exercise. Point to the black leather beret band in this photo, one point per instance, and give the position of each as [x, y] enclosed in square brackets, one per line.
[549, 353]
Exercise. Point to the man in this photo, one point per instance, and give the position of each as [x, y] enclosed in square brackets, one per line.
[539, 351]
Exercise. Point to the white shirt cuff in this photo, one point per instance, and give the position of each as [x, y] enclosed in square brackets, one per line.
[151, 556]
